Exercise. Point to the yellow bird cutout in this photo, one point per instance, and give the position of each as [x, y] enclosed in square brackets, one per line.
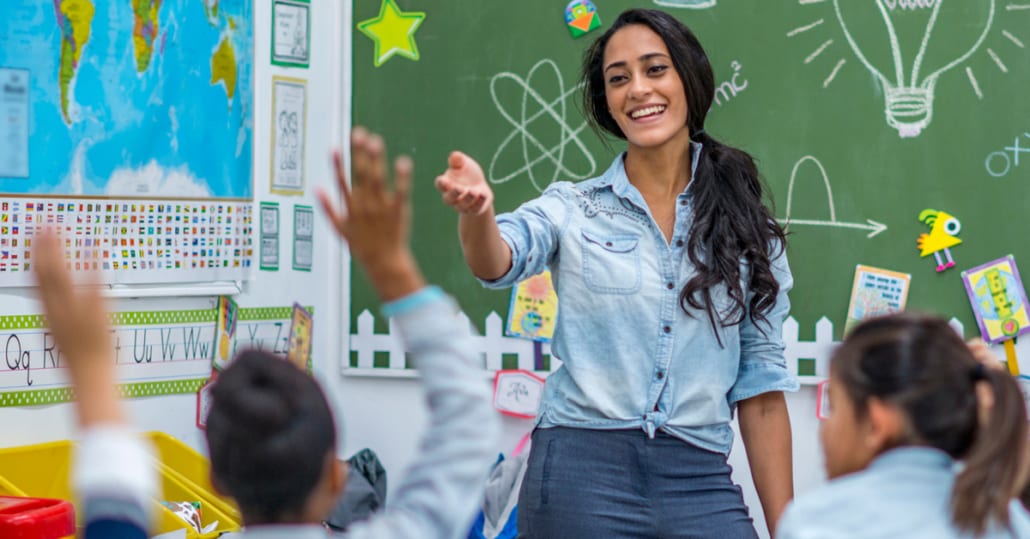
[944, 228]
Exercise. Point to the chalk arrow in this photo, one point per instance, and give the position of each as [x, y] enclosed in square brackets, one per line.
[874, 227]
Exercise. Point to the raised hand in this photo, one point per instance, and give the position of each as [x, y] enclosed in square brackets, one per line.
[77, 318]
[464, 186]
[375, 220]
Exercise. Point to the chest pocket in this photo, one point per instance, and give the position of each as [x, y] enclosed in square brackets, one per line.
[611, 264]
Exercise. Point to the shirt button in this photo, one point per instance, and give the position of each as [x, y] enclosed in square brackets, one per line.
[608, 244]
[670, 286]
[683, 202]
[667, 329]
[661, 375]
[679, 243]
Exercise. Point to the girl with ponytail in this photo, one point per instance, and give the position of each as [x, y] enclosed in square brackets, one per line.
[923, 440]
[672, 281]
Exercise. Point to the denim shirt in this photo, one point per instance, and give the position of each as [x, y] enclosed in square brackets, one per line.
[632, 358]
[905, 492]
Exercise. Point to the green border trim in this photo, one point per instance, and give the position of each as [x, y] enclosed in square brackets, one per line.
[286, 63]
[41, 397]
[156, 318]
[261, 236]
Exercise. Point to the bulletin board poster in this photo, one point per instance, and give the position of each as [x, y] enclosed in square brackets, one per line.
[128, 127]
[876, 292]
[998, 299]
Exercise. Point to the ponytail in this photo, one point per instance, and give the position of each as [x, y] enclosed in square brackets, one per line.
[731, 225]
[995, 466]
[950, 401]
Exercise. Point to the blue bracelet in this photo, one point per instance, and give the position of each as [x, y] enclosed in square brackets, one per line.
[427, 295]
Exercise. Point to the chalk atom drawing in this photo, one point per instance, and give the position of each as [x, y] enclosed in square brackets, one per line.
[536, 113]
[874, 227]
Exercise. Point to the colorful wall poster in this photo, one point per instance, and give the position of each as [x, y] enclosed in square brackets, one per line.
[533, 311]
[998, 299]
[301, 326]
[225, 331]
[119, 114]
[876, 292]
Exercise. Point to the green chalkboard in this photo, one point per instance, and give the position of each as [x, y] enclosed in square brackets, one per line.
[799, 91]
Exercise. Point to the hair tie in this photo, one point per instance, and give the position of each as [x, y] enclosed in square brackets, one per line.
[978, 373]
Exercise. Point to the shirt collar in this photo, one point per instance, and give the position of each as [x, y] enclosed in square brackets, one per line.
[616, 178]
[912, 456]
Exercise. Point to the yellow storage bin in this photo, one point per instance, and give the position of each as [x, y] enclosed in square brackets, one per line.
[181, 462]
[43, 470]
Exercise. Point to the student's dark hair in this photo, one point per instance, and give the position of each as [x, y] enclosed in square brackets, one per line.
[921, 366]
[731, 223]
[269, 434]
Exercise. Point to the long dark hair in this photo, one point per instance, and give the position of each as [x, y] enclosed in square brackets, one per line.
[731, 223]
[920, 365]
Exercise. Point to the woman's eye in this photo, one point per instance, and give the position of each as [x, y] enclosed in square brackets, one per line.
[658, 69]
[616, 79]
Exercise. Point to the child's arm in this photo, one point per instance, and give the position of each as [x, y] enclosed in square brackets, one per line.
[440, 493]
[113, 475]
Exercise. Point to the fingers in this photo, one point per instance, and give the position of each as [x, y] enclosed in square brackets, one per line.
[55, 285]
[456, 160]
[329, 207]
[341, 178]
[403, 170]
[376, 150]
[360, 162]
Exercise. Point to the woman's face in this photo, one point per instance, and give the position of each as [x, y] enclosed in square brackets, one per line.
[644, 92]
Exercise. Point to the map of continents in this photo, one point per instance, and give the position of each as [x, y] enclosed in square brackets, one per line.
[133, 98]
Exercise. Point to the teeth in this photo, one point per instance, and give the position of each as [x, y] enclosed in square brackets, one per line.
[647, 111]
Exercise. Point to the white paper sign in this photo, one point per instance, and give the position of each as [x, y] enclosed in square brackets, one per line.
[292, 23]
[518, 393]
[14, 123]
[289, 97]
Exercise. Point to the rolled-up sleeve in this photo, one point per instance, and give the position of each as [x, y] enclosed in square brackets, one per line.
[532, 232]
[763, 367]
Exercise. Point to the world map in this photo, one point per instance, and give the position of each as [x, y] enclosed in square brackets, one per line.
[132, 98]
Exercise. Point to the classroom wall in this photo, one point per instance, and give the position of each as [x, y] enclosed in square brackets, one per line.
[320, 288]
[381, 412]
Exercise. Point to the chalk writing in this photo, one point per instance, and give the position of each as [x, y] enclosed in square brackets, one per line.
[999, 163]
[729, 89]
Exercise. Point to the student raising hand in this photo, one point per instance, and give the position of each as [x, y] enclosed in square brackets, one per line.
[77, 318]
[375, 219]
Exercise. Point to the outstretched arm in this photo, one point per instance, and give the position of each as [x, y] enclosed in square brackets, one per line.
[464, 187]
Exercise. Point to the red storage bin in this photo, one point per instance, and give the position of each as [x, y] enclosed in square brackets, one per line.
[35, 518]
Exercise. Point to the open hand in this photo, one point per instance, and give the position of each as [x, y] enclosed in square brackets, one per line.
[375, 220]
[464, 186]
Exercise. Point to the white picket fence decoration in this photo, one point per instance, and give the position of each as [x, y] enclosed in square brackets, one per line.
[493, 344]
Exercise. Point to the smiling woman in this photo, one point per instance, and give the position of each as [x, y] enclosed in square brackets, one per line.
[672, 280]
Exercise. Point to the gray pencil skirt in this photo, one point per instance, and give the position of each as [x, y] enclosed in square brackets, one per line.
[615, 484]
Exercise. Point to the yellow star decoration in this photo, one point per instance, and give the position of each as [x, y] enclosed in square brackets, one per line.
[393, 31]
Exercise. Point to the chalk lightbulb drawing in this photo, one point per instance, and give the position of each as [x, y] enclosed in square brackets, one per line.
[913, 30]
